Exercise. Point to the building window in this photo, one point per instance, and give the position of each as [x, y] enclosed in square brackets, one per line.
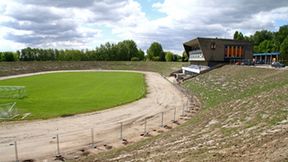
[233, 51]
[213, 45]
[196, 55]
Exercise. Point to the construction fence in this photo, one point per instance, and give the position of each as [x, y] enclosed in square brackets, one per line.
[63, 145]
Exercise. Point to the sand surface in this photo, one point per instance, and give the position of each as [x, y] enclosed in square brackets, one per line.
[37, 139]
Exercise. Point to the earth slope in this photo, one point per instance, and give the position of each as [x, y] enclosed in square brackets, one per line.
[244, 117]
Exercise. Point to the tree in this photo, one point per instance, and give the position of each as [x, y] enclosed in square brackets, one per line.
[162, 56]
[235, 35]
[128, 50]
[184, 56]
[8, 56]
[177, 58]
[140, 54]
[266, 46]
[282, 34]
[238, 36]
[154, 51]
[284, 49]
[169, 56]
[260, 36]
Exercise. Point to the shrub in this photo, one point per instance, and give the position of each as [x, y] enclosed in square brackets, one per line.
[156, 58]
[135, 59]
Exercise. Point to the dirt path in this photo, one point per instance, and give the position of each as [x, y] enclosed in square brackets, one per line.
[37, 139]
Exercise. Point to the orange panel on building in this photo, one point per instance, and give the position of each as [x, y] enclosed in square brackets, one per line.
[239, 51]
[228, 51]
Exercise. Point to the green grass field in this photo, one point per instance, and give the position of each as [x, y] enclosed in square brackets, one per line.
[67, 93]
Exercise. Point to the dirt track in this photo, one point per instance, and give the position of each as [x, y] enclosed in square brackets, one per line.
[36, 139]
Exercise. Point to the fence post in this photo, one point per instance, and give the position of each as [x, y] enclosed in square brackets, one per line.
[174, 117]
[58, 148]
[187, 104]
[16, 152]
[92, 137]
[162, 116]
[183, 110]
[121, 131]
[145, 126]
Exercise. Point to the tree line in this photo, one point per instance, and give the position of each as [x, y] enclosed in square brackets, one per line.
[268, 41]
[123, 51]
[126, 50]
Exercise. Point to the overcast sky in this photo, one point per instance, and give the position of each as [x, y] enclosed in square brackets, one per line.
[82, 24]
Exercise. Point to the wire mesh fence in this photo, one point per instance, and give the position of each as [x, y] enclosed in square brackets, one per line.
[60, 144]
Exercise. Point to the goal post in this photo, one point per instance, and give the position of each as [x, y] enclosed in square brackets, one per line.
[8, 111]
[14, 92]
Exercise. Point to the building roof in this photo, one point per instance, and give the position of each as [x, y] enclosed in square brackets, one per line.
[266, 54]
[214, 39]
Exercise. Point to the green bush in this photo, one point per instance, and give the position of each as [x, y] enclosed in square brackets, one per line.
[169, 56]
[156, 58]
[135, 59]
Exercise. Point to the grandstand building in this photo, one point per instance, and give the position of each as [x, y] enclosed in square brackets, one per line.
[266, 58]
[212, 51]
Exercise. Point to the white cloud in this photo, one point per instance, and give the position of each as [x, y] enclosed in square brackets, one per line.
[187, 19]
[75, 24]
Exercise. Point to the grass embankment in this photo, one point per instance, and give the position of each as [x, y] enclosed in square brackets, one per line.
[60, 94]
[244, 117]
[12, 68]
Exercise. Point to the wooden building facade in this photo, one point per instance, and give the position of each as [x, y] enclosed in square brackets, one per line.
[211, 51]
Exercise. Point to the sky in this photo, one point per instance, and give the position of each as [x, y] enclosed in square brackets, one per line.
[85, 24]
